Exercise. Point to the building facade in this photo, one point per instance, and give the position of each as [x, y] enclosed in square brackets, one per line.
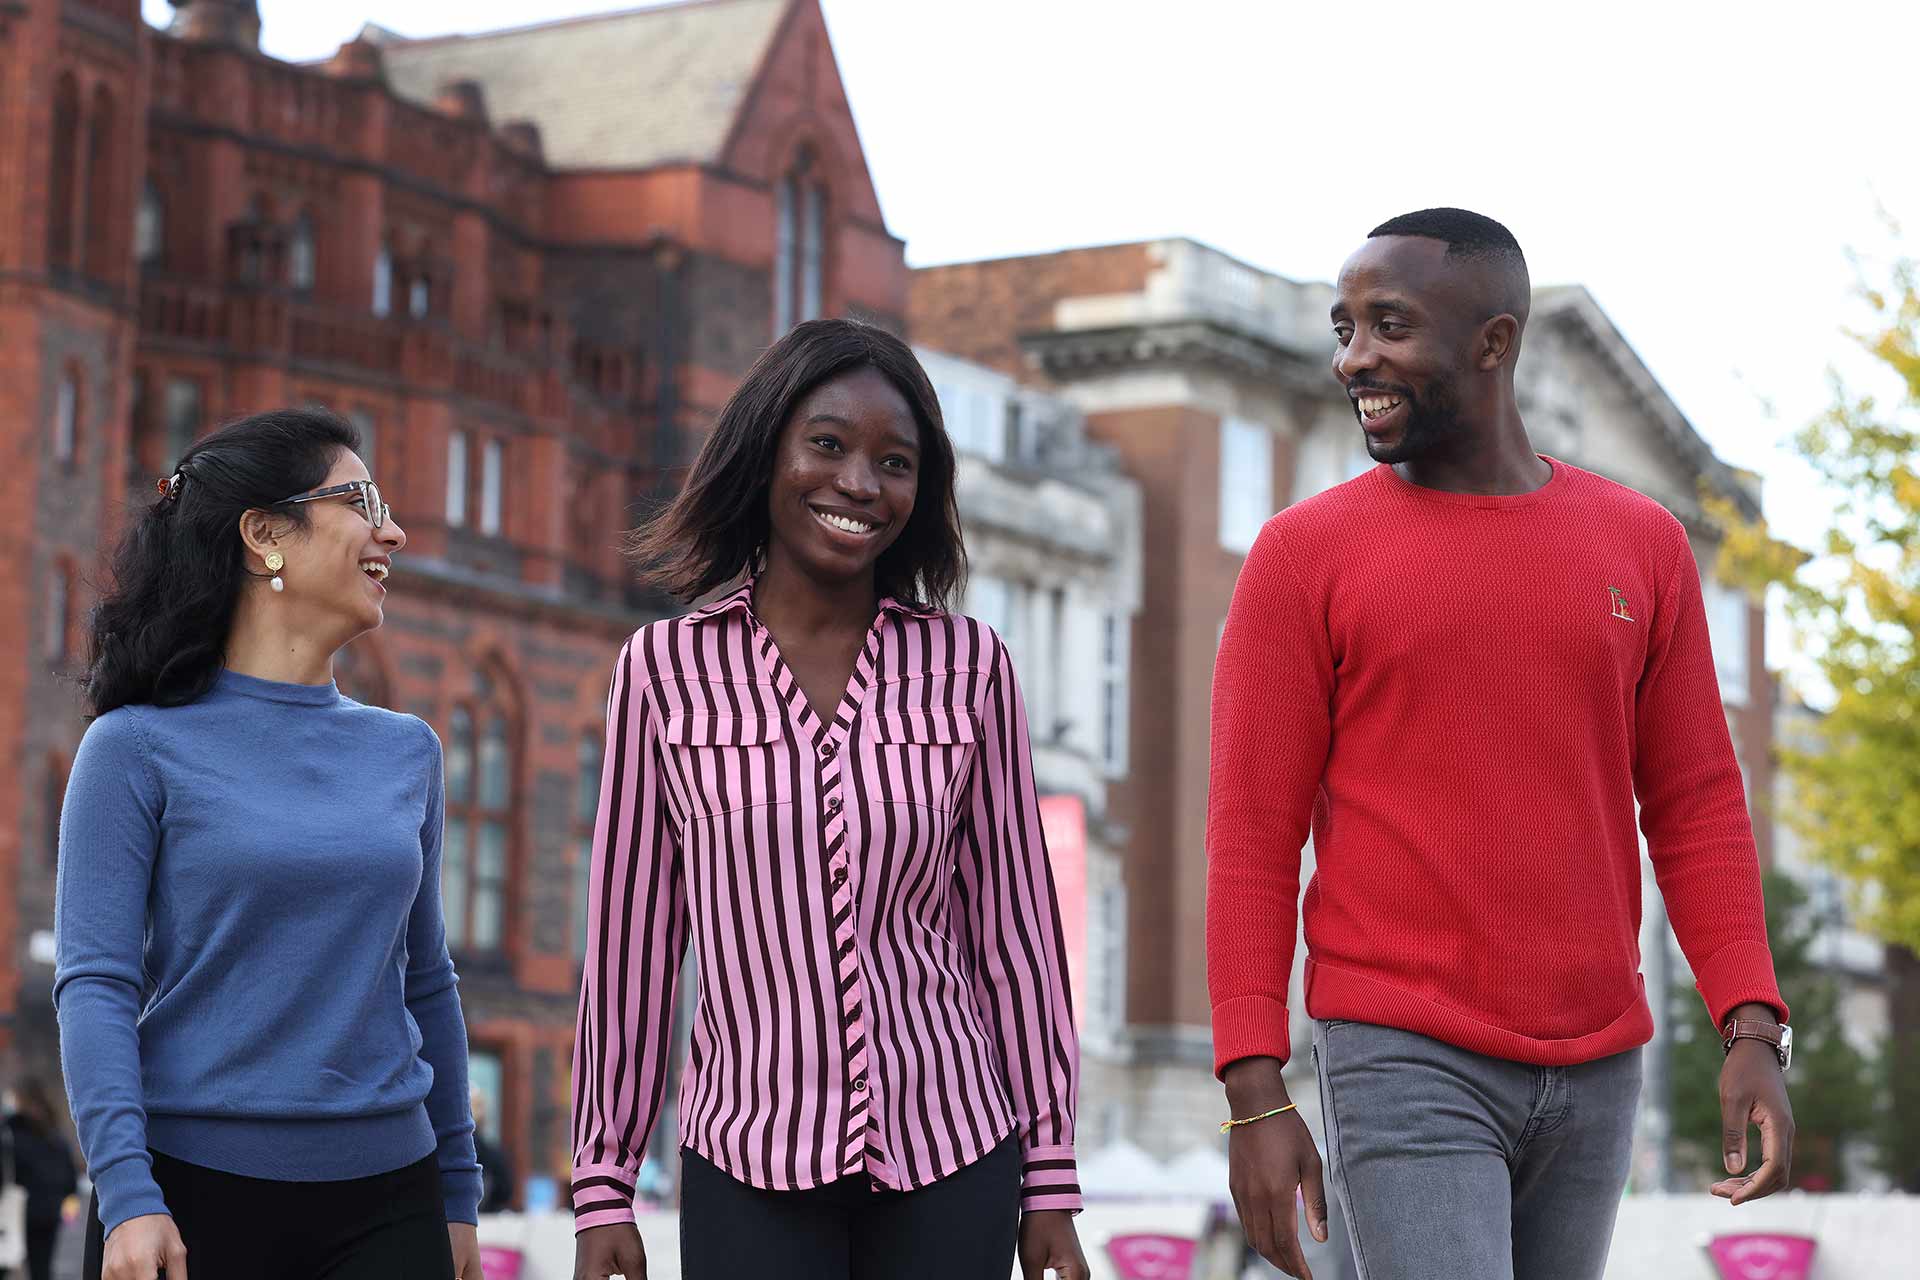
[531, 293]
[1212, 381]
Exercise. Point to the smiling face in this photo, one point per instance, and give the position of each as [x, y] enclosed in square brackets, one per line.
[1406, 342]
[336, 569]
[846, 472]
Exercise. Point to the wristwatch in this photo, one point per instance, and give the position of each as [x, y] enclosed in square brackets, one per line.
[1777, 1034]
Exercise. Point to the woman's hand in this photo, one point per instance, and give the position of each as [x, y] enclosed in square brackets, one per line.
[142, 1248]
[1048, 1240]
[465, 1239]
[612, 1250]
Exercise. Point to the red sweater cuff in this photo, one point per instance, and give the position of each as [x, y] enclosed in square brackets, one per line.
[1739, 973]
[1250, 1027]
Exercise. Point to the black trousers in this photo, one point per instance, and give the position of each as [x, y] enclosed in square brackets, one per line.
[963, 1227]
[392, 1226]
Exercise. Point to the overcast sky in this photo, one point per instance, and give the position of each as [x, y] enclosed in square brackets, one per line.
[1703, 175]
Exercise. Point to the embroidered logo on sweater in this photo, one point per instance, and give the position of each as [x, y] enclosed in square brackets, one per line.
[1620, 604]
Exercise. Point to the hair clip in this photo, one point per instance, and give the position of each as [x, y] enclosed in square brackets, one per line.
[169, 487]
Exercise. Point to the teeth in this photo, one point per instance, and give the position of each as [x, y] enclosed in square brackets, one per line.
[842, 522]
[375, 568]
[1374, 406]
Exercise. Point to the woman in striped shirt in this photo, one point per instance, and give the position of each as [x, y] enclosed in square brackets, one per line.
[822, 781]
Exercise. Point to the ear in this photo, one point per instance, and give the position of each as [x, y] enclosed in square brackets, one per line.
[262, 531]
[1498, 338]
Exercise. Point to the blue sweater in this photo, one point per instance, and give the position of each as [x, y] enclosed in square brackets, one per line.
[252, 970]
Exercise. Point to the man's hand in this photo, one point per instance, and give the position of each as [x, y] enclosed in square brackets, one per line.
[1753, 1091]
[143, 1248]
[1269, 1163]
[612, 1250]
[465, 1239]
[1047, 1239]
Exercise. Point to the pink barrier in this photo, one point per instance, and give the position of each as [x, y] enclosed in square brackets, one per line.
[501, 1264]
[1143, 1257]
[1756, 1255]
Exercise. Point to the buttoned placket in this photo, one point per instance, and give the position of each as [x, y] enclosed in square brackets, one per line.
[862, 1147]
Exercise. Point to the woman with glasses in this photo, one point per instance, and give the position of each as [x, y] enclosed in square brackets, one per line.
[263, 1044]
[821, 781]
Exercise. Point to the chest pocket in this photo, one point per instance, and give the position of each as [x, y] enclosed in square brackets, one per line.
[719, 764]
[923, 756]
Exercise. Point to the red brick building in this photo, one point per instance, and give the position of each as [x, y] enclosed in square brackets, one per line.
[530, 264]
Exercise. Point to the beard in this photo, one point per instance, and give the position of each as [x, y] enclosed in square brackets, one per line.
[1433, 425]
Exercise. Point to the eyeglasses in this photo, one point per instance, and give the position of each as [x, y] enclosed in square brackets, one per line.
[366, 491]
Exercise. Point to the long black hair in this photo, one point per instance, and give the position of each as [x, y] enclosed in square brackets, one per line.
[159, 633]
[717, 528]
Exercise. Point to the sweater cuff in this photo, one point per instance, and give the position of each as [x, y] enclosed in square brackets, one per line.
[602, 1196]
[461, 1190]
[1250, 1027]
[1049, 1180]
[1739, 973]
[127, 1190]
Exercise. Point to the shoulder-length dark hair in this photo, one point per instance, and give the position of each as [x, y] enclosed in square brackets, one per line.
[716, 530]
[159, 633]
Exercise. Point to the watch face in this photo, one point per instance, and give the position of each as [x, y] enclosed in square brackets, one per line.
[1786, 1047]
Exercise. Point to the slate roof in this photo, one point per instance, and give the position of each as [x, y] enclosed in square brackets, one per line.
[632, 90]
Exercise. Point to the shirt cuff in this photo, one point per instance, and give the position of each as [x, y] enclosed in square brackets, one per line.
[1050, 1180]
[1739, 973]
[1250, 1027]
[602, 1196]
[127, 1190]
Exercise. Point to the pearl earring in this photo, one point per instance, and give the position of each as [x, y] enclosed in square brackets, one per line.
[275, 563]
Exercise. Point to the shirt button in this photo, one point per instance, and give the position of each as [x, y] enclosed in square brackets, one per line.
[859, 1084]
[828, 751]
[839, 876]
[846, 948]
[833, 804]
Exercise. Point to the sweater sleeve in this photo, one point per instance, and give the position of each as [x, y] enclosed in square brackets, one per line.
[637, 930]
[1693, 805]
[1271, 727]
[433, 998]
[109, 844]
[1019, 952]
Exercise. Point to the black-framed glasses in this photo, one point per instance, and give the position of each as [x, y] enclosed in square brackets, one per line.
[367, 491]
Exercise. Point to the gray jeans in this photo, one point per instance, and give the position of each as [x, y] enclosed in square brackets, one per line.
[1449, 1163]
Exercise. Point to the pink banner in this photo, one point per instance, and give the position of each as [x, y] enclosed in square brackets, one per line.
[501, 1264]
[1149, 1257]
[1756, 1255]
[1063, 819]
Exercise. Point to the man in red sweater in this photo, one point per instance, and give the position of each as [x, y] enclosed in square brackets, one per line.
[1462, 671]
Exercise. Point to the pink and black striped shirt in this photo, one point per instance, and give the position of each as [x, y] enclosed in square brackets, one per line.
[883, 986]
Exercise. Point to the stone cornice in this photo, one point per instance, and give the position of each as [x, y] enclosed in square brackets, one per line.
[1066, 355]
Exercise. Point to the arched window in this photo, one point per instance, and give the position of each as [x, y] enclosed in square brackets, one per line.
[300, 255]
[102, 176]
[249, 240]
[383, 282]
[420, 297]
[586, 808]
[66, 417]
[799, 266]
[479, 823]
[62, 206]
[150, 229]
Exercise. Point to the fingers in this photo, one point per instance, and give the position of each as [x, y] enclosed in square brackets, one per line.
[1735, 1105]
[1313, 1189]
[175, 1257]
[1776, 1156]
[1287, 1237]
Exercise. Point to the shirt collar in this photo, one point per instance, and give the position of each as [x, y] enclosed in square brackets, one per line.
[742, 600]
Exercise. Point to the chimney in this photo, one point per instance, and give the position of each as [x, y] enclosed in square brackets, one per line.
[234, 22]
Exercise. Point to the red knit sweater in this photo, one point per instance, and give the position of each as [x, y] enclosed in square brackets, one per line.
[1465, 695]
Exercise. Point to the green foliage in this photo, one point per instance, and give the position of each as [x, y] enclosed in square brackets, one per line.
[1835, 1089]
[1855, 604]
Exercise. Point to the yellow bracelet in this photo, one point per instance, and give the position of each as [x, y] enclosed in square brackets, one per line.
[1227, 1126]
